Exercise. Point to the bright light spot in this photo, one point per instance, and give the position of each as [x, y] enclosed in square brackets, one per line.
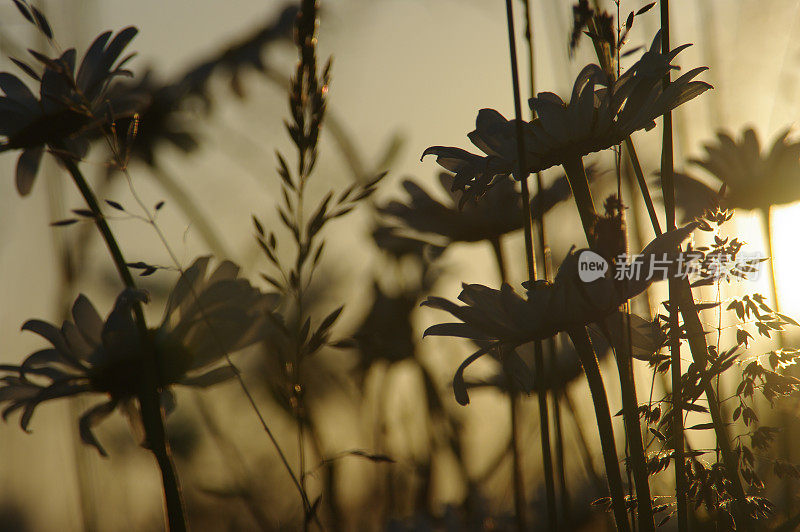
[785, 238]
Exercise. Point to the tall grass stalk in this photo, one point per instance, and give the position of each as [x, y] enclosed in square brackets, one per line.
[545, 257]
[530, 259]
[668, 191]
[149, 397]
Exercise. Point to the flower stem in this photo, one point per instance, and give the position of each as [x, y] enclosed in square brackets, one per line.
[668, 192]
[530, 259]
[576, 175]
[583, 345]
[149, 397]
[637, 170]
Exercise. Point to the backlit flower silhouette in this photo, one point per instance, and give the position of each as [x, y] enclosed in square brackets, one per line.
[69, 105]
[498, 213]
[205, 319]
[600, 113]
[502, 319]
[752, 179]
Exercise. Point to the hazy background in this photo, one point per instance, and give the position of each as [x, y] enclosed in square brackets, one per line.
[417, 68]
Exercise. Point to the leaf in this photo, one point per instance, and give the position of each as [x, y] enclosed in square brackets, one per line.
[23, 8]
[258, 226]
[372, 457]
[115, 205]
[330, 319]
[701, 426]
[26, 68]
[41, 21]
[646, 8]
[27, 168]
[62, 223]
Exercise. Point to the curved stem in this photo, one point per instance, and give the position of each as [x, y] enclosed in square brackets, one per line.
[149, 396]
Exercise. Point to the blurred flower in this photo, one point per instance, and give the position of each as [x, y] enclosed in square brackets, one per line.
[601, 113]
[752, 179]
[386, 332]
[158, 118]
[503, 320]
[499, 212]
[204, 320]
[69, 105]
[160, 105]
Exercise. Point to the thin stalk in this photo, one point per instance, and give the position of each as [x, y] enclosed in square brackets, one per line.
[583, 345]
[149, 397]
[513, 406]
[697, 344]
[668, 191]
[551, 344]
[521, 175]
[630, 411]
[637, 170]
[576, 175]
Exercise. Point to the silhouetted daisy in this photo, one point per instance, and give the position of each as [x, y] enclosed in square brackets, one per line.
[205, 318]
[499, 212]
[69, 105]
[752, 179]
[600, 113]
[502, 319]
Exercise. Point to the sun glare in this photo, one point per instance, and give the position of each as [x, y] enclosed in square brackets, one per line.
[786, 224]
